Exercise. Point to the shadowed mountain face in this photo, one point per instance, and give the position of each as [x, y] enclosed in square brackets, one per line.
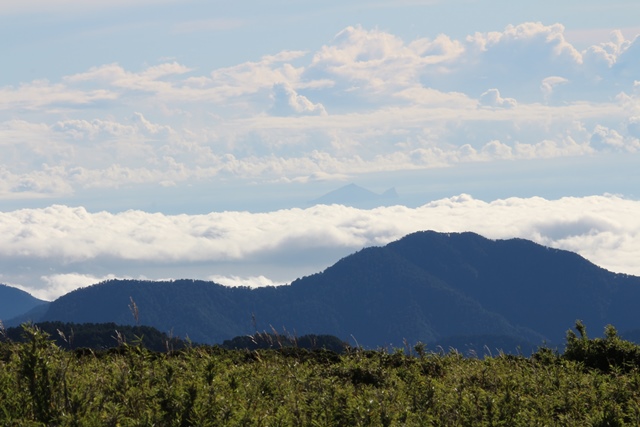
[429, 287]
[545, 289]
[14, 302]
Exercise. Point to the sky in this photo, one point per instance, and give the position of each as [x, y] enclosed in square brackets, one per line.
[184, 139]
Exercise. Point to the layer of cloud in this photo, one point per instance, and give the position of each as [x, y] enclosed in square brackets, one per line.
[249, 282]
[604, 229]
[366, 102]
[56, 284]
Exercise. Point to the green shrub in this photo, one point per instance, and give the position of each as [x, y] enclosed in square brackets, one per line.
[41, 385]
[607, 354]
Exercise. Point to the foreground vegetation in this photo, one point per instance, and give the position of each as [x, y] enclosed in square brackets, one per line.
[596, 382]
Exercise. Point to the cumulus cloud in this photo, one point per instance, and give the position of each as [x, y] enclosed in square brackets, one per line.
[374, 66]
[48, 182]
[628, 62]
[535, 51]
[614, 140]
[287, 102]
[607, 137]
[605, 54]
[549, 84]
[492, 98]
[368, 101]
[604, 229]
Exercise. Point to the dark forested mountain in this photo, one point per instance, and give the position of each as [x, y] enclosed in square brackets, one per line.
[14, 302]
[438, 288]
[529, 284]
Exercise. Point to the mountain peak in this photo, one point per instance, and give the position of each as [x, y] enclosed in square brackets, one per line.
[427, 286]
[356, 196]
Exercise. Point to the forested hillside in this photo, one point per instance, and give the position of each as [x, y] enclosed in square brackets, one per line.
[430, 287]
[14, 302]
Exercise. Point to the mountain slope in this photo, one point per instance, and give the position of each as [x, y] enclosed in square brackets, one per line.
[204, 311]
[429, 287]
[529, 284]
[380, 298]
[14, 302]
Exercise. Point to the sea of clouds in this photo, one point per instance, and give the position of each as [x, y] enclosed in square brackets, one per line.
[51, 251]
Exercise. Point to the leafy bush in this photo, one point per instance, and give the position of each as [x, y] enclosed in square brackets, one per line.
[98, 336]
[41, 384]
[607, 354]
[276, 341]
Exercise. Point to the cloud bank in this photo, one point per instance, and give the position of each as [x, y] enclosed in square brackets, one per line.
[51, 251]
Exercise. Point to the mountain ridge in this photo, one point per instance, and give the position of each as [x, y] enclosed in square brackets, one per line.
[427, 286]
[14, 302]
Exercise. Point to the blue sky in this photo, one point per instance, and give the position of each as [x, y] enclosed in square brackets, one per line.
[154, 118]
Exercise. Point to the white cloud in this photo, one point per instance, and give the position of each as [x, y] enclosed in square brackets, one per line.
[374, 65]
[627, 63]
[101, 153]
[497, 150]
[47, 182]
[549, 84]
[251, 77]
[42, 95]
[527, 43]
[604, 55]
[604, 229]
[288, 102]
[614, 140]
[119, 77]
[602, 135]
[251, 282]
[492, 98]
[366, 102]
[59, 284]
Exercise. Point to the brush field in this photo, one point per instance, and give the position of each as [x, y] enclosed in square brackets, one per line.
[594, 383]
